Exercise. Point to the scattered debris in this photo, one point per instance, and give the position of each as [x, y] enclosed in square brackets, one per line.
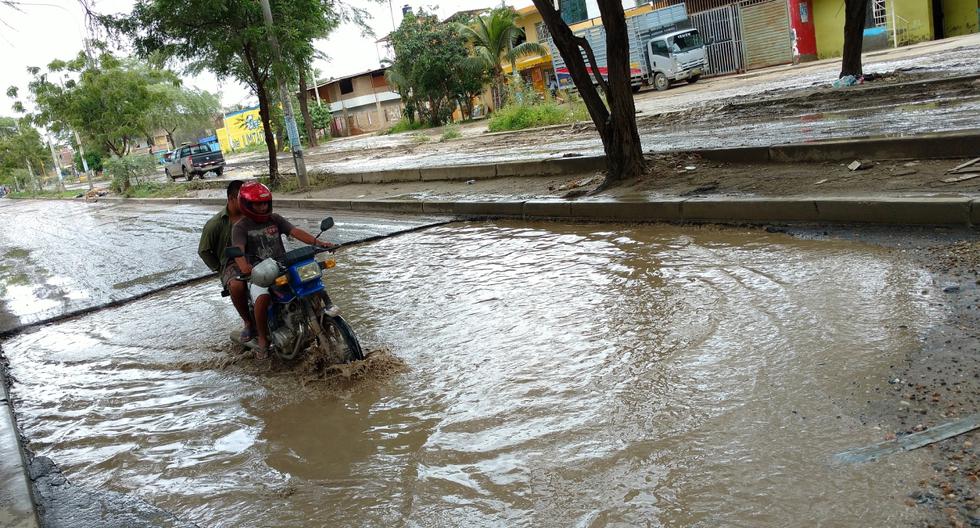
[911, 164]
[922, 436]
[904, 172]
[690, 168]
[571, 155]
[825, 180]
[848, 80]
[951, 288]
[964, 177]
[701, 190]
[860, 165]
[470, 182]
[959, 168]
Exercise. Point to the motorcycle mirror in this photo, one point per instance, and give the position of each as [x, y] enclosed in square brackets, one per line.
[234, 252]
[327, 223]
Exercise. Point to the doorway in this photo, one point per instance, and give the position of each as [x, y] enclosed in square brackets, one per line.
[937, 20]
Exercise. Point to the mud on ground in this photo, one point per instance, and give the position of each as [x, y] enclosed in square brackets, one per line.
[938, 382]
[678, 176]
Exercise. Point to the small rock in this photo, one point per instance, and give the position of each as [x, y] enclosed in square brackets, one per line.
[470, 182]
[904, 403]
[859, 165]
[825, 180]
[968, 445]
[894, 381]
[690, 167]
[919, 428]
[951, 288]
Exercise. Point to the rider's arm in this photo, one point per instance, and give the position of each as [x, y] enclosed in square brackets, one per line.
[307, 238]
[205, 247]
[239, 237]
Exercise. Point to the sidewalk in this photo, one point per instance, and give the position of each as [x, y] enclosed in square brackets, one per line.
[16, 502]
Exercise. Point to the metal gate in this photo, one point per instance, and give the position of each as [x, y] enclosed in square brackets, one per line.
[720, 26]
[765, 30]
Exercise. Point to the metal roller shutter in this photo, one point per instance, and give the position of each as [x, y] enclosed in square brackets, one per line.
[765, 32]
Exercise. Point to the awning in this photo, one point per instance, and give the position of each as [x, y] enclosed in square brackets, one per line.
[528, 63]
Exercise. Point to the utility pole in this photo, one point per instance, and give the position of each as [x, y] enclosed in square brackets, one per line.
[287, 106]
[57, 166]
[30, 170]
[81, 154]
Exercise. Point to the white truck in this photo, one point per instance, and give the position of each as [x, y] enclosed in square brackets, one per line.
[664, 48]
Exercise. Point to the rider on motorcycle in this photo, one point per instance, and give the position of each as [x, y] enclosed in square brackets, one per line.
[259, 235]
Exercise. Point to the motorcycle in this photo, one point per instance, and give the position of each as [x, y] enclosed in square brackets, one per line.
[301, 314]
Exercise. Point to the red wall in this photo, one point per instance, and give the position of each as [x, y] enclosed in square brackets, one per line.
[801, 19]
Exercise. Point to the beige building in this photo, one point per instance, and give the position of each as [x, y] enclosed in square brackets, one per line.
[360, 103]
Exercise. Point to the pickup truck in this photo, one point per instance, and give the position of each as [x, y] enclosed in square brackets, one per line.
[193, 160]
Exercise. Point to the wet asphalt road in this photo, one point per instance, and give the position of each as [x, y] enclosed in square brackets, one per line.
[59, 257]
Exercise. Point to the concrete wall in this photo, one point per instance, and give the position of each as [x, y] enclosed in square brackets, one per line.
[960, 17]
[914, 16]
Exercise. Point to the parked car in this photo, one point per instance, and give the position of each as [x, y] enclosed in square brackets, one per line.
[191, 160]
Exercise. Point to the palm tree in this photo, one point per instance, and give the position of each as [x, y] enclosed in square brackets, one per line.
[494, 39]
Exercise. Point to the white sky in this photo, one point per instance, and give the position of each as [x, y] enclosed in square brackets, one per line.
[55, 30]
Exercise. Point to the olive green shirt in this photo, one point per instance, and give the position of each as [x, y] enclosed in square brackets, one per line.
[215, 237]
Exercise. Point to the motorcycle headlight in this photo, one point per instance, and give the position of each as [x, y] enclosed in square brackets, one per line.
[308, 272]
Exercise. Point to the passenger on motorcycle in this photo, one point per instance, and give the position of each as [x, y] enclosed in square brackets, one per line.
[259, 235]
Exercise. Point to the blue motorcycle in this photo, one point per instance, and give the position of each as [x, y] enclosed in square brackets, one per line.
[301, 314]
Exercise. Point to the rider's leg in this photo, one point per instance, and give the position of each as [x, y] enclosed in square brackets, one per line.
[262, 320]
[239, 297]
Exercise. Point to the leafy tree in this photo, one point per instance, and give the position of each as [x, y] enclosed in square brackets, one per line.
[321, 117]
[180, 108]
[494, 39]
[230, 40]
[616, 123]
[20, 147]
[431, 58]
[106, 102]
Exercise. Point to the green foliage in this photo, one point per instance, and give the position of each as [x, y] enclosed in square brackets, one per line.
[526, 108]
[129, 171]
[419, 137]
[20, 144]
[321, 116]
[230, 39]
[94, 160]
[494, 38]
[451, 132]
[405, 125]
[431, 68]
[178, 108]
[108, 102]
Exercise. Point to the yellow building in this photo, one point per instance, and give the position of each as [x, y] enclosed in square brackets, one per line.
[907, 21]
[242, 128]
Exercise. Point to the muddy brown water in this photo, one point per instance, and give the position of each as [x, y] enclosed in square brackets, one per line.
[554, 376]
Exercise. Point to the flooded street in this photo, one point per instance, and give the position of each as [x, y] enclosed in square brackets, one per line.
[524, 374]
[75, 255]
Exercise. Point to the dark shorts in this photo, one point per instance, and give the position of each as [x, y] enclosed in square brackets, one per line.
[229, 273]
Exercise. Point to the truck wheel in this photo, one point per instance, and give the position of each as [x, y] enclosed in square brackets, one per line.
[219, 172]
[635, 88]
[660, 82]
[170, 176]
[693, 79]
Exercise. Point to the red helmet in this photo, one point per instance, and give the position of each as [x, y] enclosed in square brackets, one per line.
[252, 194]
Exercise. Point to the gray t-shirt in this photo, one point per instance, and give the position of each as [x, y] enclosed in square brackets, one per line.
[261, 240]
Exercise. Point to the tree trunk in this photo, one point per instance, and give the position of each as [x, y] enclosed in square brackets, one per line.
[304, 107]
[170, 138]
[855, 13]
[623, 148]
[616, 125]
[270, 140]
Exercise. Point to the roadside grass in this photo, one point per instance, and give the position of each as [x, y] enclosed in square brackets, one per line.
[451, 132]
[403, 125]
[43, 194]
[290, 183]
[420, 138]
[518, 116]
[17, 253]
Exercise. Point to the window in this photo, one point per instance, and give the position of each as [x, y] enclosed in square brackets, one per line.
[687, 42]
[346, 86]
[542, 30]
[573, 11]
[201, 149]
[659, 47]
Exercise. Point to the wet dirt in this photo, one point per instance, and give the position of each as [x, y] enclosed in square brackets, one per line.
[556, 374]
[780, 107]
[671, 176]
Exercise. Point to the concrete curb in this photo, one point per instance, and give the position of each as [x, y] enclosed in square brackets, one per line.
[927, 146]
[886, 210]
[16, 500]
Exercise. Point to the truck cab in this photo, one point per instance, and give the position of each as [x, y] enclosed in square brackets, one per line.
[676, 56]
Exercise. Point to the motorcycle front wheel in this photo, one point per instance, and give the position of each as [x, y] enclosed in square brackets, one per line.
[339, 332]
